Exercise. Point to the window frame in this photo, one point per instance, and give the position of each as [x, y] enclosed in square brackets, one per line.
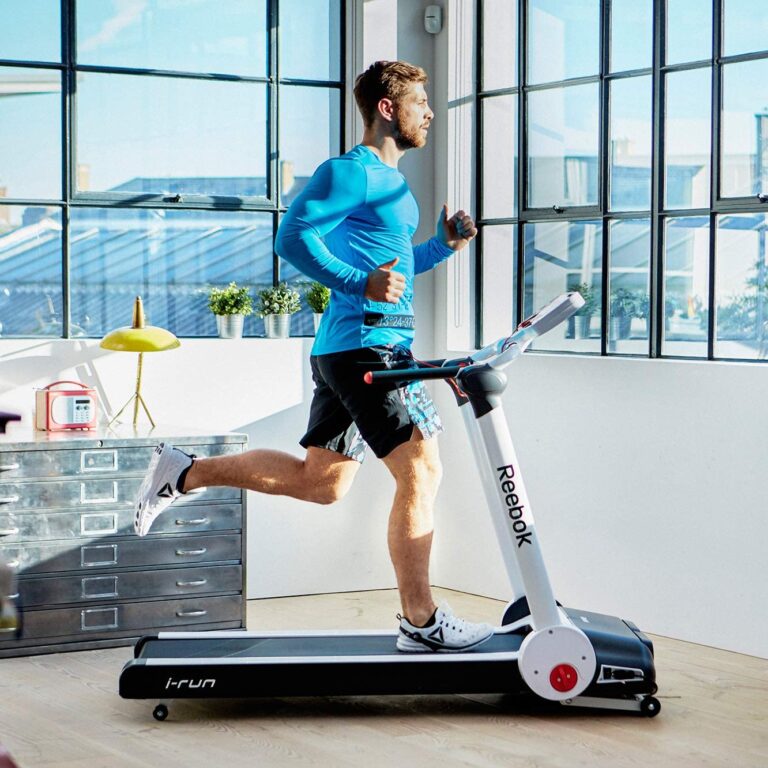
[658, 71]
[71, 199]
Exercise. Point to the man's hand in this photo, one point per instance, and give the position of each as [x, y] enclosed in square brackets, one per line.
[456, 231]
[384, 284]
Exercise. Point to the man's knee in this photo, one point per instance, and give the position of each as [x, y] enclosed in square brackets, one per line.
[416, 464]
[328, 478]
[329, 491]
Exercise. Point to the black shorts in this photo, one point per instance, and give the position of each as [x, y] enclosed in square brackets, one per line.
[346, 413]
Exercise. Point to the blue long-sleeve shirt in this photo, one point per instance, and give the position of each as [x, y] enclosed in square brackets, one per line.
[355, 214]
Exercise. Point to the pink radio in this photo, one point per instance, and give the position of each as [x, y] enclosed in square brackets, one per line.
[60, 409]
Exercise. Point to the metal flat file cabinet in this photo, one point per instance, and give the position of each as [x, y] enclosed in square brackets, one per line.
[84, 579]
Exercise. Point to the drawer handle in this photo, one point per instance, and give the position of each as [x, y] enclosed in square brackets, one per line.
[8, 531]
[191, 552]
[190, 614]
[14, 597]
[9, 467]
[13, 563]
[196, 521]
[8, 499]
[197, 583]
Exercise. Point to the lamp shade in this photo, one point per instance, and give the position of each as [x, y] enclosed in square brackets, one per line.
[139, 337]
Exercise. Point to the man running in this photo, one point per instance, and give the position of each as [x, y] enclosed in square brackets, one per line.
[351, 228]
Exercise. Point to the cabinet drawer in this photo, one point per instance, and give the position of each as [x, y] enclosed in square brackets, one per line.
[110, 620]
[90, 462]
[129, 585]
[90, 492]
[106, 553]
[72, 524]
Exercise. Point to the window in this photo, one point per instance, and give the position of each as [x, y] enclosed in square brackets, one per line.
[150, 149]
[624, 154]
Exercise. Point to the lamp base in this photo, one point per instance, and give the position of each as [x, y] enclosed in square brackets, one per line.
[135, 398]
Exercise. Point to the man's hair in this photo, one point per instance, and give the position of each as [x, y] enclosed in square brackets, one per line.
[384, 80]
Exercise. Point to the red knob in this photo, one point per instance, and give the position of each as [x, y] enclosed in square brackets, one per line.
[368, 378]
[563, 678]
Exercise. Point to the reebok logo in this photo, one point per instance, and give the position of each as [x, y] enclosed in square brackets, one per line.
[437, 635]
[515, 510]
[166, 491]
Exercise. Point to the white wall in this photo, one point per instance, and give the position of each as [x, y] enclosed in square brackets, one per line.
[646, 479]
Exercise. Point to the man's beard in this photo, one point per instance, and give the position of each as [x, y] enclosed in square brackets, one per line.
[407, 138]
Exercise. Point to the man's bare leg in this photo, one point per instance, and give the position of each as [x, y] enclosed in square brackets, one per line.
[323, 476]
[415, 465]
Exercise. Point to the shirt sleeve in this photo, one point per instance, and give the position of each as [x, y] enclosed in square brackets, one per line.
[337, 189]
[429, 254]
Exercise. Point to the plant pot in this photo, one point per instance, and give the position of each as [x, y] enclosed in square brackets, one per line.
[583, 323]
[318, 316]
[230, 326]
[277, 326]
[620, 327]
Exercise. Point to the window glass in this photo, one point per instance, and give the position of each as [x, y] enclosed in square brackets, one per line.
[631, 143]
[178, 35]
[309, 134]
[499, 44]
[629, 247]
[689, 31]
[563, 140]
[631, 34]
[150, 135]
[499, 277]
[745, 27]
[560, 257]
[499, 156]
[744, 162]
[563, 39]
[687, 132]
[30, 30]
[310, 39]
[170, 259]
[686, 286]
[741, 285]
[30, 133]
[30, 271]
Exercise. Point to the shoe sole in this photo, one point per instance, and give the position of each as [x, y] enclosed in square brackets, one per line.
[149, 488]
[413, 646]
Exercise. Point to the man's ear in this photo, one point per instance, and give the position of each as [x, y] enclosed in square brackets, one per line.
[386, 108]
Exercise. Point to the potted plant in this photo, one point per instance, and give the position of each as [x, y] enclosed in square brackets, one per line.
[584, 315]
[277, 304]
[317, 297]
[623, 309]
[231, 305]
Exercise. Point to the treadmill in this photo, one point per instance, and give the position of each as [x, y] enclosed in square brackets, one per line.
[571, 656]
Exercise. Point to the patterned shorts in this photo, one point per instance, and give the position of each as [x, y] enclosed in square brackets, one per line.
[346, 413]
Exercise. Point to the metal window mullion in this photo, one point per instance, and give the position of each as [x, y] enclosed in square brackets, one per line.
[106, 69]
[522, 148]
[274, 191]
[478, 298]
[604, 170]
[656, 277]
[68, 42]
[715, 148]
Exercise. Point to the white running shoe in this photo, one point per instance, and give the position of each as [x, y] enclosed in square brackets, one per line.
[445, 634]
[160, 487]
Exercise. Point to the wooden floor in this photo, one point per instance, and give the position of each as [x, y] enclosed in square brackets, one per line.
[63, 710]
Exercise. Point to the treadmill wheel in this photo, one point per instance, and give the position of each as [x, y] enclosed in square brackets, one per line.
[160, 712]
[650, 706]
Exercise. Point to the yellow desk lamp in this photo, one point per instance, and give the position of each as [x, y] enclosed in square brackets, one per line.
[140, 338]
